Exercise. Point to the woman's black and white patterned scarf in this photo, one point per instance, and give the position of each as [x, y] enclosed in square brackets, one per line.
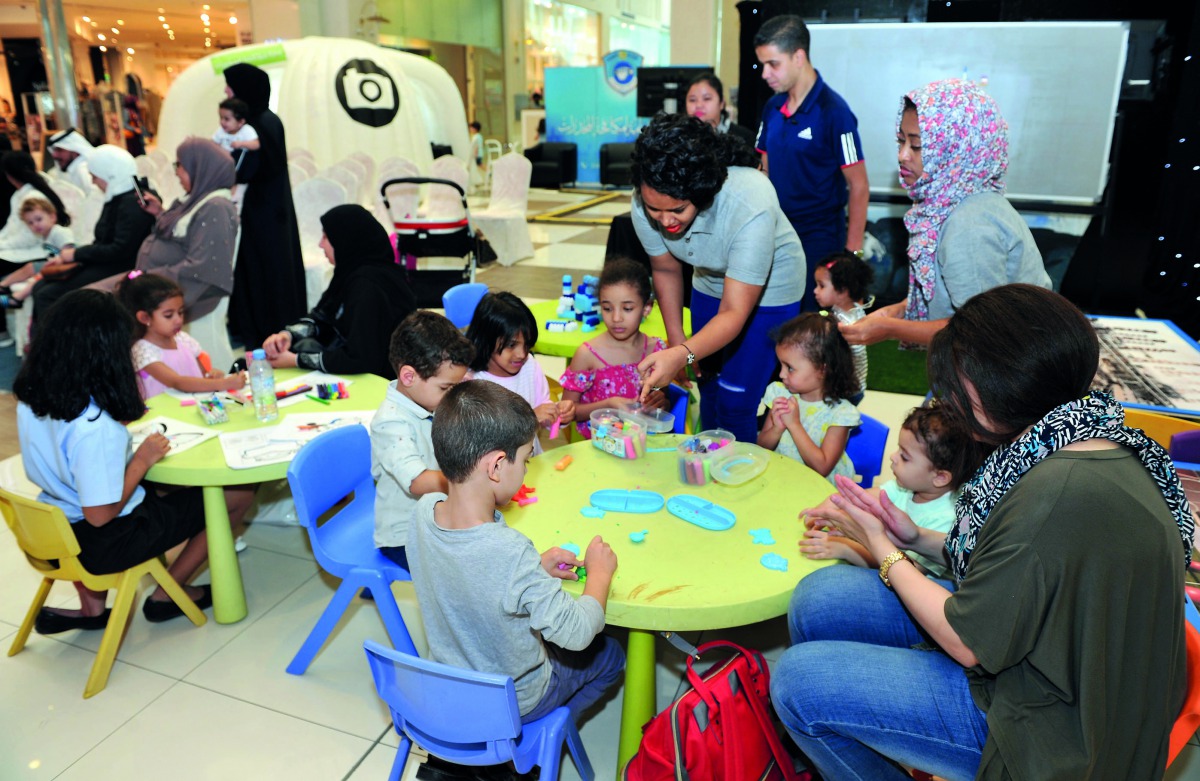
[1095, 416]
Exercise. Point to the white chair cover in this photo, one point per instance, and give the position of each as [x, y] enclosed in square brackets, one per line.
[346, 178]
[294, 153]
[72, 198]
[503, 222]
[85, 217]
[160, 159]
[305, 162]
[211, 333]
[403, 198]
[313, 198]
[360, 173]
[296, 175]
[445, 203]
[146, 167]
[369, 168]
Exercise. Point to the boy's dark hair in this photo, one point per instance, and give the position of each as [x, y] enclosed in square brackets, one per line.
[948, 443]
[236, 106]
[476, 126]
[425, 340]
[817, 335]
[849, 273]
[786, 33]
[38, 204]
[142, 292]
[499, 319]
[81, 352]
[475, 418]
[624, 270]
[1024, 349]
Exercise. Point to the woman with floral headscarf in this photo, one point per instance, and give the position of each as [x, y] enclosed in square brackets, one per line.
[964, 236]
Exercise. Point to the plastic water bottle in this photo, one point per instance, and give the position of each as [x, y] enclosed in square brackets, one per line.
[262, 386]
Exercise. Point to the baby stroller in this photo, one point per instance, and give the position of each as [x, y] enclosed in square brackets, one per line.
[444, 231]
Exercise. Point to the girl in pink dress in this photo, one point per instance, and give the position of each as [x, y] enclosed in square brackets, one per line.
[164, 355]
[603, 372]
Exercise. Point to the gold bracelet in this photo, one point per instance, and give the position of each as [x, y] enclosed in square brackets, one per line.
[886, 565]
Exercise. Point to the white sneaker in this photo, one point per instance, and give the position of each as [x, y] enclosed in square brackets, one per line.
[239, 545]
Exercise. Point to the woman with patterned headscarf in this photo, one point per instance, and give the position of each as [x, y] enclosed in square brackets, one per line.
[964, 236]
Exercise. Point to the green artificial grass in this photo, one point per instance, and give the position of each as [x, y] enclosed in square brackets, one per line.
[894, 370]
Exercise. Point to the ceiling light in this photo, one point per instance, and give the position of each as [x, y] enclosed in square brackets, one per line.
[86, 18]
[93, 24]
[207, 44]
[101, 37]
[103, 48]
[162, 18]
[166, 26]
[115, 31]
[204, 18]
[129, 50]
[207, 30]
[233, 20]
[120, 22]
[206, 7]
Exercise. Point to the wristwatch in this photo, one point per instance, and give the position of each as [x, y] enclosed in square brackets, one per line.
[691, 355]
[856, 253]
[885, 566]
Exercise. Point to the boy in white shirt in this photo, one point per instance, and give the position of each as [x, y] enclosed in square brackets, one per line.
[430, 356]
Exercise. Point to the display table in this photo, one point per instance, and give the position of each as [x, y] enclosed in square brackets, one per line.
[204, 466]
[682, 577]
[564, 343]
[1148, 364]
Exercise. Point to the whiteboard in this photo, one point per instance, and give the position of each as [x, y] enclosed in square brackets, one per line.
[1057, 84]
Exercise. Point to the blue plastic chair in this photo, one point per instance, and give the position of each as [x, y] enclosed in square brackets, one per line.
[460, 302]
[468, 717]
[865, 448]
[326, 470]
[679, 405]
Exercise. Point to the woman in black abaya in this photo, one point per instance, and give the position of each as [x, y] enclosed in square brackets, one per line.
[268, 281]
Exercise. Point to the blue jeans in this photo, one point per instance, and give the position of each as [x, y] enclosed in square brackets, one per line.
[861, 690]
[579, 678]
[733, 380]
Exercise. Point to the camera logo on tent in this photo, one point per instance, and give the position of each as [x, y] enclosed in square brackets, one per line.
[367, 93]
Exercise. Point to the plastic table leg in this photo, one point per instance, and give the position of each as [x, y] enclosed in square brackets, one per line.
[229, 598]
[639, 703]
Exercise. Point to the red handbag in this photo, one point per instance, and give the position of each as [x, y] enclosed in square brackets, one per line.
[720, 730]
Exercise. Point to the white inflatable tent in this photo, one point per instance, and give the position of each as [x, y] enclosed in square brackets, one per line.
[335, 96]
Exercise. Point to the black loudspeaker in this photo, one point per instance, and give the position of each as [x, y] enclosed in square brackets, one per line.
[753, 92]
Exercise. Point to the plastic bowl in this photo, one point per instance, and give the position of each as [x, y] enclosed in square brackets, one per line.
[656, 421]
[742, 464]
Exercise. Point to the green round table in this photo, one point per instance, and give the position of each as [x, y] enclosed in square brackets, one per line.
[204, 466]
[682, 577]
[564, 343]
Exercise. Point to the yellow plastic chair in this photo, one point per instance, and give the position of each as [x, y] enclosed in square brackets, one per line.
[45, 536]
[1158, 427]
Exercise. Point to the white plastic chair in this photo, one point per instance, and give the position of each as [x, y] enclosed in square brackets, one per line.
[146, 167]
[160, 159]
[313, 198]
[295, 153]
[503, 222]
[369, 167]
[72, 198]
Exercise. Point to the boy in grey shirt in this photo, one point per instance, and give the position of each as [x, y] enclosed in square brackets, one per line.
[488, 600]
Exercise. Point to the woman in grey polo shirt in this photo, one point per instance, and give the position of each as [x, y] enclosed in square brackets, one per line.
[964, 236]
[694, 204]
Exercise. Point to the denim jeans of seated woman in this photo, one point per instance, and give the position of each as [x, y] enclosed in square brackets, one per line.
[862, 688]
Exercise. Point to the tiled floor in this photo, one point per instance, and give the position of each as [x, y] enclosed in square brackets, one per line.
[214, 702]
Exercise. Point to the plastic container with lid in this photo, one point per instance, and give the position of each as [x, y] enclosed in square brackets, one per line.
[697, 452]
[655, 421]
[739, 464]
[618, 433]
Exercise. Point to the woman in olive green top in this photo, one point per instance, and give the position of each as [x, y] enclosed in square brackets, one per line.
[1058, 650]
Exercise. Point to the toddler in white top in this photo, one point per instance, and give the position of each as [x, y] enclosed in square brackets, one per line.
[934, 457]
[842, 285]
[235, 135]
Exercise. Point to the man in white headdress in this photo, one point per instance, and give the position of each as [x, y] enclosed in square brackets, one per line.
[68, 148]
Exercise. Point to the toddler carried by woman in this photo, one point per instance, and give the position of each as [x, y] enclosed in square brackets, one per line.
[165, 356]
[603, 372]
[808, 415]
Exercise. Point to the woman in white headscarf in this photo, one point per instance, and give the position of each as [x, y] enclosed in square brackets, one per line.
[119, 231]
